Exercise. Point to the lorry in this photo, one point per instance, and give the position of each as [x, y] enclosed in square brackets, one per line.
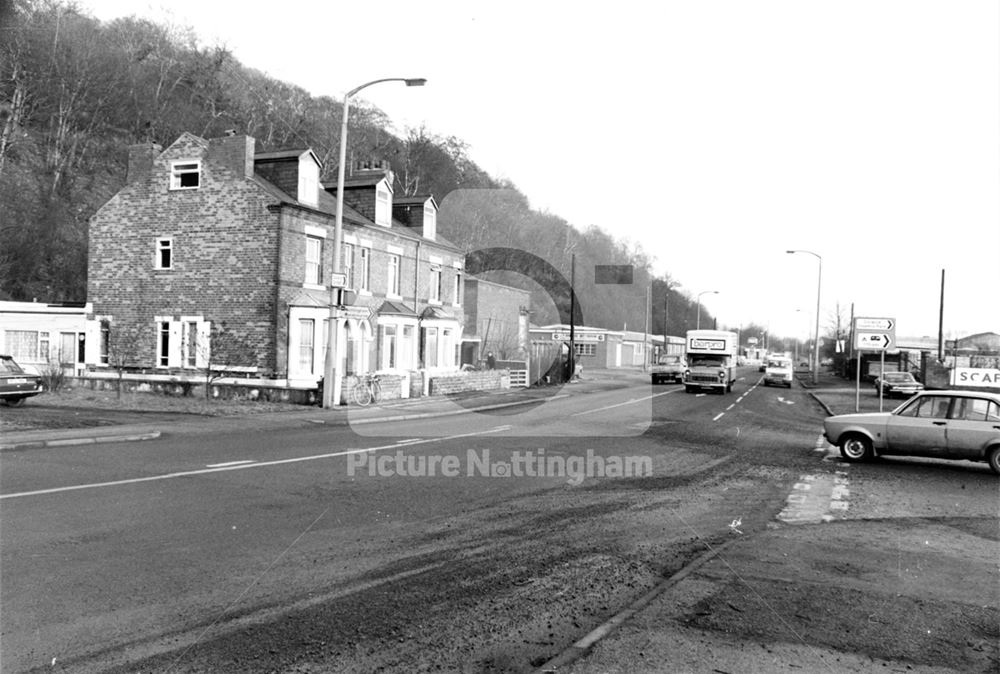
[711, 360]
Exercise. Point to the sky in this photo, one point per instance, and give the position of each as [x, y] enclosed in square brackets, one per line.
[715, 135]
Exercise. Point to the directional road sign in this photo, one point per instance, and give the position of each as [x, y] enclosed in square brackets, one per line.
[876, 324]
[874, 334]
[874, 341]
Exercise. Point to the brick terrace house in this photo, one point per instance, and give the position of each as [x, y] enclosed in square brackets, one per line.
[213, 253]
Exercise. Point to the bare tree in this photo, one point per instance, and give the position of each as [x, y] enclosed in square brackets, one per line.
[224, 353]
[126, 344]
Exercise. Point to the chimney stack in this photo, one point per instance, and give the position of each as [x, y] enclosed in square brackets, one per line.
[234, 151]
[140, 160]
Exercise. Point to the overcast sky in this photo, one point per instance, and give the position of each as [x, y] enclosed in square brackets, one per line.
[717, 134]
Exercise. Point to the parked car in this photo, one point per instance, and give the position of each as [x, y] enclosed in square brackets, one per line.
[901, 384]
[942, 424]
[778, 372]
[15, 383]
[668, 368]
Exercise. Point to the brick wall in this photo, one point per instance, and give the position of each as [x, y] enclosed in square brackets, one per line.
[489, 380]
[225, 250]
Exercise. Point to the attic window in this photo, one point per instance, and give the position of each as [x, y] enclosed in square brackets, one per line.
[185, 175]
[383, 206]
[430, 221]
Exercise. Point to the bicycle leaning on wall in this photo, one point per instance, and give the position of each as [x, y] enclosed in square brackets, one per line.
[366, 389]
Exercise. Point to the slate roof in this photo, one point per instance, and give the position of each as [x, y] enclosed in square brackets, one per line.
[388, 307]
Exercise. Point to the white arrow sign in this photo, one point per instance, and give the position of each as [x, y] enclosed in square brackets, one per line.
[876, 341]
[874, 323]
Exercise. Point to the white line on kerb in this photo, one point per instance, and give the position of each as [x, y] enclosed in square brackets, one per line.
[241, 466]
[229, 463]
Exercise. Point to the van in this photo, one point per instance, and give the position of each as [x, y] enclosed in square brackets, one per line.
[778, 371]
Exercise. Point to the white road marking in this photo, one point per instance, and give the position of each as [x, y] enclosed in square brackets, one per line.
[731, 407]
[718, 416]
[241, 466]
[816, 498]
[229, 463]
[627, 402]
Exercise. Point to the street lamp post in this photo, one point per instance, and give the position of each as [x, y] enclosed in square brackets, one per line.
[697, 324]
[819, 286]
[331, 380]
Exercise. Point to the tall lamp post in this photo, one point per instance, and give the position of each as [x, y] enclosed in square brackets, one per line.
[331, 380]
[819, 286]
[697, 324]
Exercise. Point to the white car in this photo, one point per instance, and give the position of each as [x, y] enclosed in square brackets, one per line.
[778, 371]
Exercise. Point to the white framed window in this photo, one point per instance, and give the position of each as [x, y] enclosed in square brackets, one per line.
[185, 175]
[189, 343]
[347, 264]
[383, 205]
[307, 331]
[163, 344]
[22, 345]
[392, 280]
[104, 354]
[314, 256]
[44, 348]
[430, 347]
[586, 349]
[407, 348]
[447, 347]
[457, 289]
[308, 187]
[164, 256]
[364, 269]
[389, 347]
[434, 291]
[430, 221]
[183, 343]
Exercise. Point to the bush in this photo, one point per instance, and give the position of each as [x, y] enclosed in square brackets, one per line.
[53, 377]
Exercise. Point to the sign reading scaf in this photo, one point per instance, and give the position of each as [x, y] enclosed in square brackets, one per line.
[974, 376]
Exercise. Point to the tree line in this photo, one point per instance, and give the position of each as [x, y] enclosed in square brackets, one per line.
[75, 92]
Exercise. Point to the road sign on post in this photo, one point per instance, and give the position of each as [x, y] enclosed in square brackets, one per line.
[874, 334]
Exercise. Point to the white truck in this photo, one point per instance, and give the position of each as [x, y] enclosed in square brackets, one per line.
[711, 360]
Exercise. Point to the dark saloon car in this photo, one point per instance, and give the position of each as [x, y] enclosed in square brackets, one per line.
[939, 424]
[15, 383]
[901, 384]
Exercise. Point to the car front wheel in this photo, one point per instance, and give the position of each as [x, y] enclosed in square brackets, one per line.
[993, 456]
[856, 448]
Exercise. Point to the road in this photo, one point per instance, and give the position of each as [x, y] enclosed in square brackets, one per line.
[469, 542]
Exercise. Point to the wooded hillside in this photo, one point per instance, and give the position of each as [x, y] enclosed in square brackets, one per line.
[75, 92]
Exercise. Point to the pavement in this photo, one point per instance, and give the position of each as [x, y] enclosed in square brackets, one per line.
[749, 605]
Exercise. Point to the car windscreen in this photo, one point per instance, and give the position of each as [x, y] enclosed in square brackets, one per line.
[8, 366]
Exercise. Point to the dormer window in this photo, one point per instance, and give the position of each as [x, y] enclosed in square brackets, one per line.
[308, 180]
[383, 205]
[430, 221]
[185, 175]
